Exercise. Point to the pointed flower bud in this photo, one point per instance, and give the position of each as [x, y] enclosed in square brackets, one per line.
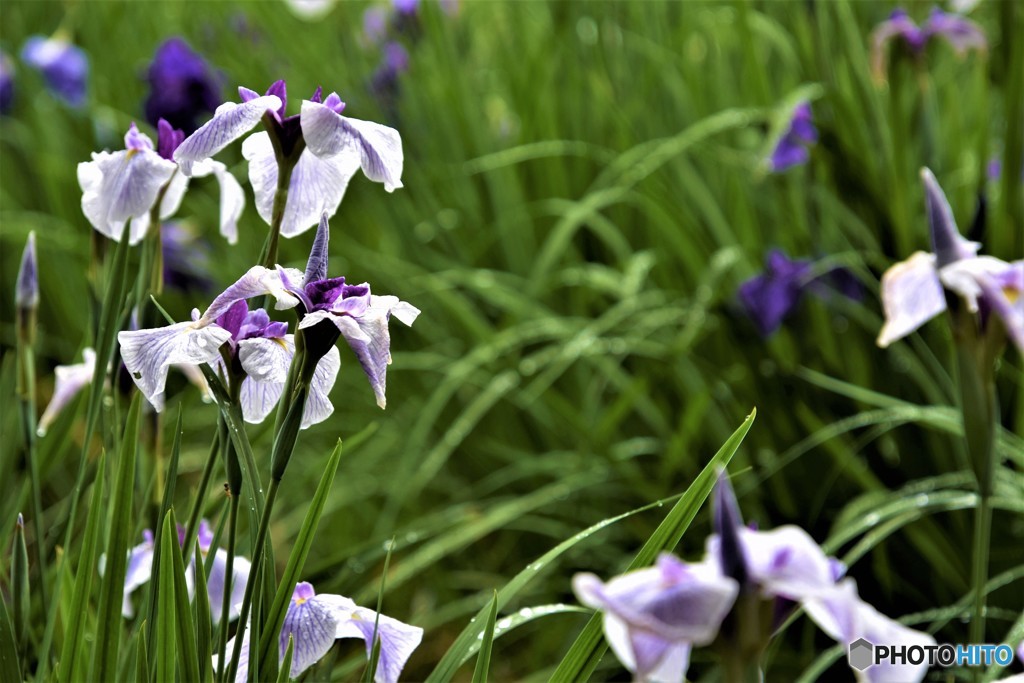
[727, 524]
[316, 266]
[27, 290]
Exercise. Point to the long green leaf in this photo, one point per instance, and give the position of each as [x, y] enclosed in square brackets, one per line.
[303, 541]
[108, 622]
[70, 656]
[166, 626]
[483, 660]
[10, 667]
[201, 616]
[188, 657]
[586, 653]
[141, 658]
[284, 675]
[165, 504]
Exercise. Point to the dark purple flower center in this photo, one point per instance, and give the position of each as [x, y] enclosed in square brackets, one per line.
[245, 324]
[325, 294]
[167, 139]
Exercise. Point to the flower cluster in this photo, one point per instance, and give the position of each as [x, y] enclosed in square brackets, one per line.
[746, 581]
[182, 86]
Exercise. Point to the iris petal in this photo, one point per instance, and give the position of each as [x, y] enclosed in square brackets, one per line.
[70, 379]
[911, 296]
[380, 148]
[229, 123]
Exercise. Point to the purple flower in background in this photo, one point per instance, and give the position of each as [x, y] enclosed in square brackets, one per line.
[186, 259]
[792, 148]
[653, 617]
[335, 148]
[63, 65]
[6, 83]
[182, 86]
[771, 297]
[384, 82]
[121, 188]
[314, 621]
[375, 25]
[406, 6]
[961, 33]
[912, 291]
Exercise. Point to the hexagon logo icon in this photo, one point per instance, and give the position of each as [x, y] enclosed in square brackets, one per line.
[862, 654]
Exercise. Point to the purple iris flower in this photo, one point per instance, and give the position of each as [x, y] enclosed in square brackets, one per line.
[333, 148]
[653, 617]
[771, 297]
[912, 291]
[961, 33]
[182, 86]
[261, 352]
[351, 311]
[792, 148]
[6, 83]
[120, 188]
[375, 25]
[314, 621]
[63, 65]
[140, 570]
[384, 82]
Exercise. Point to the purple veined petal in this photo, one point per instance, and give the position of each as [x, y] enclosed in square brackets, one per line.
[312, 624]
[966, 277]
[681, 602]
[947, 243]
[139, 571]
[398, 640]
[318, 403]
[119, 186]
[317, 184]
[911, 296]
[215, 584]
[230, 122]
[786, 562]
[232, 197]
[267, 360]
[380, 147]
[1008, 301]
[169, 205]
[369, 339]
[257, 281]
[648, 656]
[149, 353]
[258, 399]
[70, 379]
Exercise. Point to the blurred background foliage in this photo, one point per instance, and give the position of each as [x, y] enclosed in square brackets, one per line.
[586, 187]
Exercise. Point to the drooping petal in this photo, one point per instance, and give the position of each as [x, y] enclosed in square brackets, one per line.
[648, 656]
[267, 360]
[961, 33]
[70, 379]
[380, 148]
[229, 123]
[318, 403]
[911, 296]
[312, 624]
[169, 206]
[257, 281]
[258, 399]
[149, 353]
[897, 25]
[785, 562]
[120, 186]
[965, 277]
[317, 184]
[1007, 301]
[232, 197]
[398, 640]
[681, 602]
[215, 584]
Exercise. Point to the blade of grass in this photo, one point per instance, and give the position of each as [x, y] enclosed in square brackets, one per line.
[10, 666]
[119, 524]
[141, 658]
[201, 618]
[166, 616]
[70, 652]
[371, 666]
[483, 660]
[586, 653]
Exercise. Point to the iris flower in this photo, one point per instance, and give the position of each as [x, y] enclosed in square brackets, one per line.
[69, 380]
[64, 66]
[792, 148]
[181, 86]
[912, 291]
[26, 288]
[140, 570]
[314, 621]
[259, 351]
[123, 186]
[653, 617]
[961, 33]
[330, 149]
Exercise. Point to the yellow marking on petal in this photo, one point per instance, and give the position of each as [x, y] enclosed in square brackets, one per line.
[301, 601]
[280, 341]
[1011, 294]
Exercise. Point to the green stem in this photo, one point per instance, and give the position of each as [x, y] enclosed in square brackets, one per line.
[979, 573]
[252, 580]
[285, 166]
[27, 404]
[204, 483]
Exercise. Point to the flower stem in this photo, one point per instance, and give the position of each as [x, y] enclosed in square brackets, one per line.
[27, 403]
[268, 256]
